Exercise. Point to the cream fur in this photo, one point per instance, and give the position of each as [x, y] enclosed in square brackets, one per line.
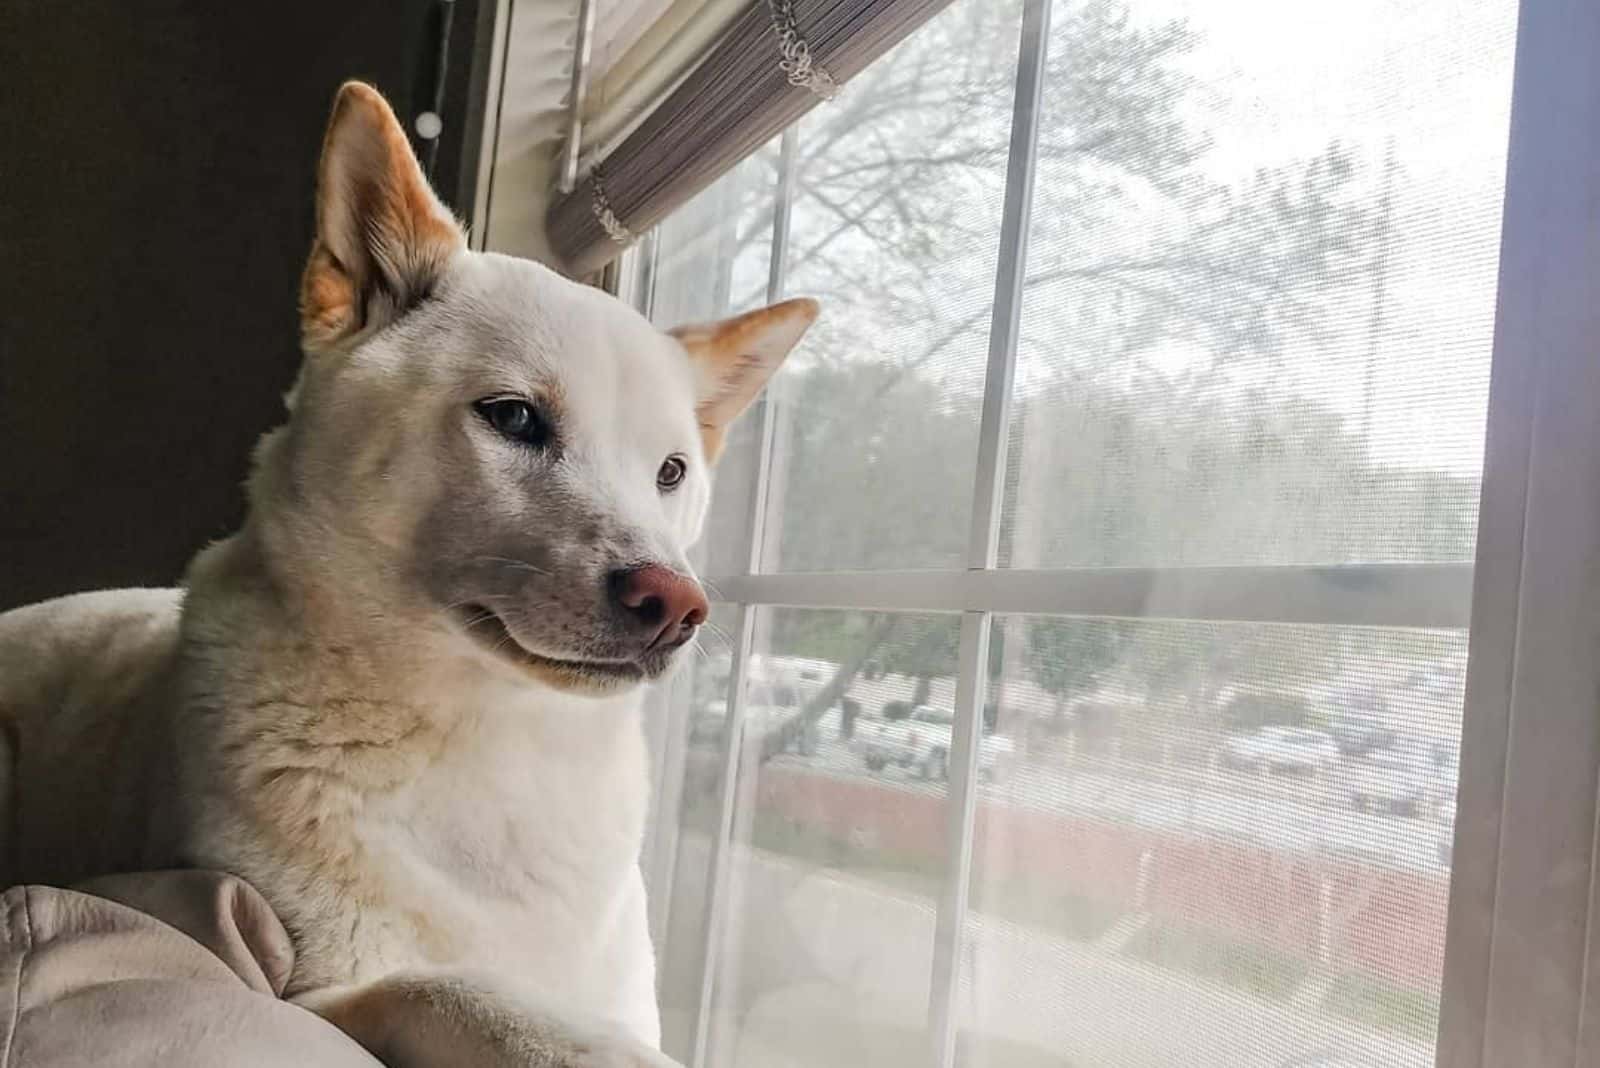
[315, 713]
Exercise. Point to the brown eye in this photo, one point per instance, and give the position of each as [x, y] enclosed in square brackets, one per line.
[671, 474]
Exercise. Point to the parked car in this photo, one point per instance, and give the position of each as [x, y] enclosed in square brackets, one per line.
[1446, 760]
[711, 721]
[768, 707]
[1360, 722]
[1250, 710]
[1442, 683]
[1281, 749]
[1397, 781]
[923, 741]
[1356, 734]
[1428, 693]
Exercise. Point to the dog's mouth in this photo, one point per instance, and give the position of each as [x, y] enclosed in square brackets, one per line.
[491, 633]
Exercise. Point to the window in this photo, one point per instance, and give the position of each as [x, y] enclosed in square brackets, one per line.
[1113, 535]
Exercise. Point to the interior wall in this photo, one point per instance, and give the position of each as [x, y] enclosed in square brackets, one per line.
[155, 210]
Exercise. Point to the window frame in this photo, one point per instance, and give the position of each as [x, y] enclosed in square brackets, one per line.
[1522, 947]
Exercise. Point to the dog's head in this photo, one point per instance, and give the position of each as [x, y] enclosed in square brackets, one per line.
[523, 458]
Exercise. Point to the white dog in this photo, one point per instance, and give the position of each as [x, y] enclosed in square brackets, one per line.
[403, 700]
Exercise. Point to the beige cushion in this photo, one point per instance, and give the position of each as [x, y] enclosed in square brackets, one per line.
[176, 969]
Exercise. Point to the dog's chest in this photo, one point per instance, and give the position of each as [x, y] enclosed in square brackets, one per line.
[512, 851]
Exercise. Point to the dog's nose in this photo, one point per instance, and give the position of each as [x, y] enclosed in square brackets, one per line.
[661, 600]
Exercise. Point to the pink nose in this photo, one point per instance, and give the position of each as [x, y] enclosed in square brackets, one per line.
[667, 605]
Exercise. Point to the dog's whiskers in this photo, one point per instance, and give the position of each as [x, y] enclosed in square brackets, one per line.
[717, 632]
[467, 602]
[513, 563]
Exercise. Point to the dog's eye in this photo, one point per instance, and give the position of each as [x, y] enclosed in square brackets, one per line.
[672, 473]
[516, 419]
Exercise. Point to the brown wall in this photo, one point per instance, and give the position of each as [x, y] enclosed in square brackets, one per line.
[156, 165]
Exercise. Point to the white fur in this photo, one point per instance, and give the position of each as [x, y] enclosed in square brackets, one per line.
[519, 838]
[320, 712]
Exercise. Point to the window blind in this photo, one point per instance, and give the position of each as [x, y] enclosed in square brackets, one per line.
[637, 63]
[777, 60]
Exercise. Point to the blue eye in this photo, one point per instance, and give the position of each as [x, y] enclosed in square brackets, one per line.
[671, 474]
[515, 419]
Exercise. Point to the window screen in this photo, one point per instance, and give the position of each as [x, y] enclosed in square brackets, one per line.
[943, 807]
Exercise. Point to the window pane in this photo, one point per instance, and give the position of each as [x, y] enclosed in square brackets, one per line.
[1256, 331]
[714, 253]
[1216, 844]
[895, 228]
[1261, 283]
[839, 842]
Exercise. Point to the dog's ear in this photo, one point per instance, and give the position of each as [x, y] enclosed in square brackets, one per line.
[735, 357]
[382, 236]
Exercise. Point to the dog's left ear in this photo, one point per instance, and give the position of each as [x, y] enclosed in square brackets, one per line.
[383, 238]
[735, 357]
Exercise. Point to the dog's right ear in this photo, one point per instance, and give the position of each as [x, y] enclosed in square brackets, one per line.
[735, 357]
[382, 237]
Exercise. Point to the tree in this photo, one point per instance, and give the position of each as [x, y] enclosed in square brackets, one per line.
[1067, 657]
[906, 460]
[1136, 246]
[928, 652]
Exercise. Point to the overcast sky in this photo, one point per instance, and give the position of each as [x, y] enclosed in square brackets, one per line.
[1434, 76]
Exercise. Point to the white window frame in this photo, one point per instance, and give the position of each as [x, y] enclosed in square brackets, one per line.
[1522, 969]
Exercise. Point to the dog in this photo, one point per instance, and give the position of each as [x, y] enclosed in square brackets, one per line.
[403, 700]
